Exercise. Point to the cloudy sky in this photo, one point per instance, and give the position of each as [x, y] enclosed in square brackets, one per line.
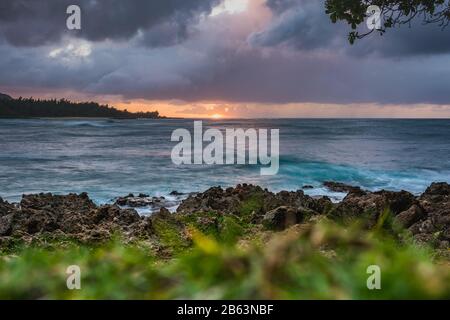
[229, 58]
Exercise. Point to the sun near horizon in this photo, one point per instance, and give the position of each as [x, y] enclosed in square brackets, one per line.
[230, 110]
[216, 116]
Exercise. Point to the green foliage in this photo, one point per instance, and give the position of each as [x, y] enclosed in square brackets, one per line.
[253, 204]
[205, 222]
[170, 235]
[29, 108]
[48, 241]
[224, 228]
[394, 13]
[325, 261]
[110, 272]
[231, 229]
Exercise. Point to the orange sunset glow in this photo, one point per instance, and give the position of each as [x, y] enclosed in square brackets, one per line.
[224, 110]
[225, 150]
[240, 59]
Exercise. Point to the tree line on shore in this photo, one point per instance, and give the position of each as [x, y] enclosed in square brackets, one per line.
[37, 108]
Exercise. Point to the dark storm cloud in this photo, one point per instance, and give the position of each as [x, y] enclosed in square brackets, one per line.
[38, 22]
[299, 56]
[303, 25]
[300, 24]
[279, 6]
[405, 41]
[164, 34]
[253, 76]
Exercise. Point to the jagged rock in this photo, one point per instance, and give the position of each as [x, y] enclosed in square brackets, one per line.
[76, 216]
[434, 225]
[233, 200]
[142, 229]
[73, 215]
[96, 235]
[57, 204]
[213, 199]
[295, 199]
[283, 217]
[409, 217]
[371, 204]
[40, 221]
[342, 187]
[5, 207]
[321, 205]
[143, 200]
[6, 225]
[437, 189]
[114, 214]
[46, 212]
[163, 213]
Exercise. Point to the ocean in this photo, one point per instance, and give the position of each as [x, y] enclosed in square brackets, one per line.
[111, 158]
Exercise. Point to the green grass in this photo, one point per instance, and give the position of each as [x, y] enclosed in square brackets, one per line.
[227, 229]
[253, 204]
[232, 229]
[325, 261]
[171, 235]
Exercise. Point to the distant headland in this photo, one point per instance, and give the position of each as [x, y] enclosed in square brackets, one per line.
[37, 108]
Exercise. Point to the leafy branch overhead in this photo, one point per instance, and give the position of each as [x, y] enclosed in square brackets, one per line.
[394, 13]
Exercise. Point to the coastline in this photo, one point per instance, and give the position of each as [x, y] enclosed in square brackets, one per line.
[239, 243]
[88, 118]
[77, 216]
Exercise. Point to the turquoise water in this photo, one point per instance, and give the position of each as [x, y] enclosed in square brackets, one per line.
[110, 158]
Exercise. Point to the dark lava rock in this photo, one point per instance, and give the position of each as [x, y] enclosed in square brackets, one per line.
[47, 212]
[370, 205]
[6, 208]
[143, 200]
[57, 204]
[409, 217]
[307, 187]
[434, 224]
[74, 216]
[6, 224]
[342, 187]
[426, 217]
[437, 189]
[285, 217]
[142, 229]
[213, 199]
[242, 198]
[114, 214]
[176, 193]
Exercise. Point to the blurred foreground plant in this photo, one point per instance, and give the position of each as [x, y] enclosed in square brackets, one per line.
[321, 261]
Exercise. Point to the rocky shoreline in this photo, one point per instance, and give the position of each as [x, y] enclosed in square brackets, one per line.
[40, 217]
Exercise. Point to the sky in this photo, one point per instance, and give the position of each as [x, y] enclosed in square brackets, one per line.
[222, 58]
